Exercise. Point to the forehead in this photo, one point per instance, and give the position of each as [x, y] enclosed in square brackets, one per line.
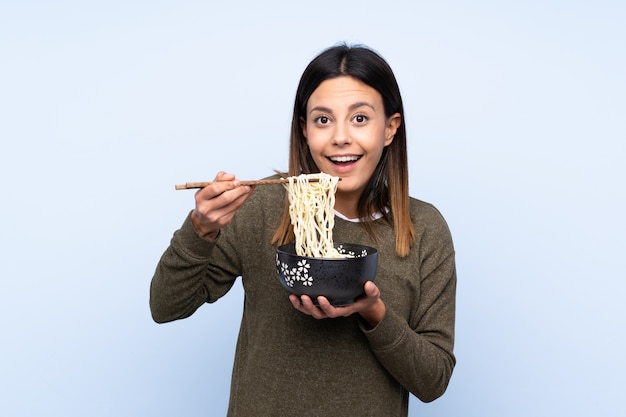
[343, 90]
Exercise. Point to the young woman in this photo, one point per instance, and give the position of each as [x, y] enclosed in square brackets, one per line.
[295, 358]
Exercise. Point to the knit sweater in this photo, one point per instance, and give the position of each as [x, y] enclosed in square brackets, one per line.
[288, 363]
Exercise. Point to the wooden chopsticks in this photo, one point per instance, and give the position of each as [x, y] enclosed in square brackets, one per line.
[192, 185]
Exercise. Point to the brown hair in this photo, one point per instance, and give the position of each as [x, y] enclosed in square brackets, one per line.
[388, 190]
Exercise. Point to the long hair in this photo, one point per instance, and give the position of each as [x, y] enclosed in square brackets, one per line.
[388, 190]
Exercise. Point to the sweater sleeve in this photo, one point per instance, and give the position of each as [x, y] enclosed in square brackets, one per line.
[183, 279]
[419, 352]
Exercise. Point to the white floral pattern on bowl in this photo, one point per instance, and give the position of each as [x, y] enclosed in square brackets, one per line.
[299, 273]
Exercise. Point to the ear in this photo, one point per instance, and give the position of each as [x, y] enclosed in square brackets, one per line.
[393, 123]
[303, 126]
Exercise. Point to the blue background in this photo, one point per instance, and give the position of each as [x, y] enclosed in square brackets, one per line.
[516, 116]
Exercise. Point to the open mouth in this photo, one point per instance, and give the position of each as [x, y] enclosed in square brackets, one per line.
[344, 160]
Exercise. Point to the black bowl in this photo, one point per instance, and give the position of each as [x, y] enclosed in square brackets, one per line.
[340, 280]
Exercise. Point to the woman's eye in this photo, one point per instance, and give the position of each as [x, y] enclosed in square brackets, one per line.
[322, 120]
[359, 118]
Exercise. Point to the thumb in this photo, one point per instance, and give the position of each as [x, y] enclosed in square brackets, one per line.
[371, 290]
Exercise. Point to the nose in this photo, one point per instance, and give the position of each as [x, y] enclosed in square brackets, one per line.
[341, 135]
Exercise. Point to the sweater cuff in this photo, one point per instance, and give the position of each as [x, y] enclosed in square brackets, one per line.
[194, 244]
[387, 334]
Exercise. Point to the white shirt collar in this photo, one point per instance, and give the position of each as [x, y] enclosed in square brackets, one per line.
[376, 216]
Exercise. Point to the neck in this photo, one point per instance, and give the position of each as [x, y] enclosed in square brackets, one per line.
[347, 205]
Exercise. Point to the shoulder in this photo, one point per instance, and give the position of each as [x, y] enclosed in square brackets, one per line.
[424, 213]
[428, 221]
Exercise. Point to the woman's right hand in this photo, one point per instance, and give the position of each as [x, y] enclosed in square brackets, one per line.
[217, 203]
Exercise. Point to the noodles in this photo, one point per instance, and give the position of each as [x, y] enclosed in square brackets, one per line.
[311, 207]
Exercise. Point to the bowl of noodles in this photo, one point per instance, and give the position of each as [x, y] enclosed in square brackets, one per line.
[314, 265]
[339, 278]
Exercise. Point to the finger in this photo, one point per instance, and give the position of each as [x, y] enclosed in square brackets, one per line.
[298, 304]
[295, 301]
[370, 296]
[227, 202]
[311, 309]
[371, 290]
[224, 176]
[342, 311]
[328, 309]
[218, 214]
[306, 302]
[221, 184]
[220, 195]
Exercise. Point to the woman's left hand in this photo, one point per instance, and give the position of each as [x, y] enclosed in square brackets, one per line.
[369, 306]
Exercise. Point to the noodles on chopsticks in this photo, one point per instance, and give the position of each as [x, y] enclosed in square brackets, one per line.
[311, 208]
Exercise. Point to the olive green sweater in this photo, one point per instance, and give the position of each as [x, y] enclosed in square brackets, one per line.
[290, 364]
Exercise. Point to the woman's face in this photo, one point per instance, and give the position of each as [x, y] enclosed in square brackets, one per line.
[346, 130]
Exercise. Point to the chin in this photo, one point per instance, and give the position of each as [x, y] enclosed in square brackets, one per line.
[348, 188]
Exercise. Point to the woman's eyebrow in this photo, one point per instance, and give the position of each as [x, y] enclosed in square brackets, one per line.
[320, 108]
[361, 104]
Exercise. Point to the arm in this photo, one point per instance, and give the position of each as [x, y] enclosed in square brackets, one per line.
[185, 278]
[420, 355]
[180, 284]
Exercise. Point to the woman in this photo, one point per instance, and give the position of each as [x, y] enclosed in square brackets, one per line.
[295, 358]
